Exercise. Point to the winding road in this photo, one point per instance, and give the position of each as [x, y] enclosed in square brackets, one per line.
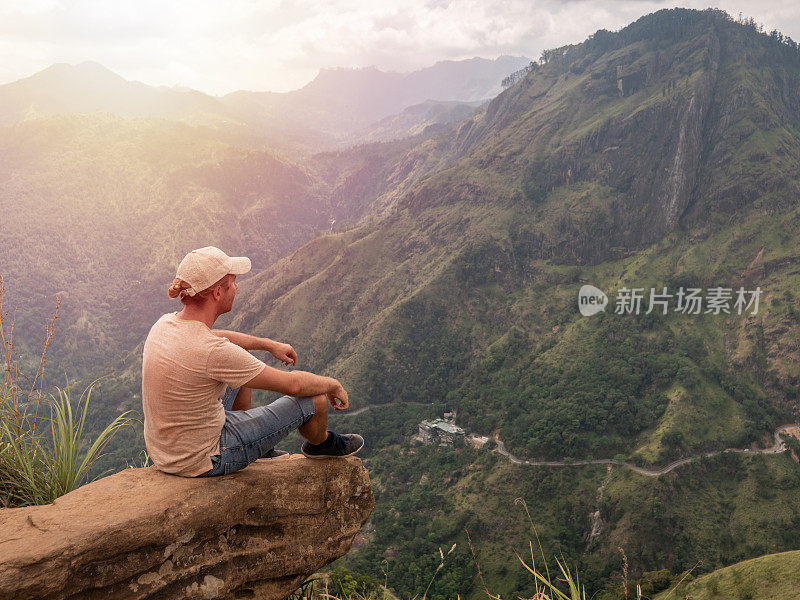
[358, 411]
[778, 448]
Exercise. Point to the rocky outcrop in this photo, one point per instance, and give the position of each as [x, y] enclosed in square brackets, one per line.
[143, 534]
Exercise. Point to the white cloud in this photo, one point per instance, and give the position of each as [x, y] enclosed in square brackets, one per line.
[276, 44]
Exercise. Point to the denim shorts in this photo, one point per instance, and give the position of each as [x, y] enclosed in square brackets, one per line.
[249, 434]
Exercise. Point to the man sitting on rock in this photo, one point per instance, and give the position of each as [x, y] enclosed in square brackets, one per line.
[196, 383]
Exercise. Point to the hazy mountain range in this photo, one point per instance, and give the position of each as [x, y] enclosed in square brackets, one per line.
[329, 111]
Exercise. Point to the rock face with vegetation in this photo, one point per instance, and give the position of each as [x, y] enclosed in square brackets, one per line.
[143, 534]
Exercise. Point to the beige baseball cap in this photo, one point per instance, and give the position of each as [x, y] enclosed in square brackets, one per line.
[204, 267]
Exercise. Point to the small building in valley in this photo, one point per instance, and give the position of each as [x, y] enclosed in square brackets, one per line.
[439, 431]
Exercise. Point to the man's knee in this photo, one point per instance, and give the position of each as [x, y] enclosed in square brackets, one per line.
[320, 404]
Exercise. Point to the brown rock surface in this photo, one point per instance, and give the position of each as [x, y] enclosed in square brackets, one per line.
[143, 534]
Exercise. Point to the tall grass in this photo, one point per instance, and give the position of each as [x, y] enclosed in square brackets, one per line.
[44, 452]
[567, 586]
[560, 585]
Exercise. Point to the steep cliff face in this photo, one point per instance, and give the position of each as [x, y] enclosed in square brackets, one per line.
[618, 141]
[143, 534]
[618, 123]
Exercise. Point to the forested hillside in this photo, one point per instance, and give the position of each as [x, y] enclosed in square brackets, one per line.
[100, 209]
[663, 155]
[489, 271]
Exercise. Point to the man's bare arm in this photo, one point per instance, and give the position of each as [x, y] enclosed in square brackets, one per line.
[248, 342]
[300, 383]
[283, 352]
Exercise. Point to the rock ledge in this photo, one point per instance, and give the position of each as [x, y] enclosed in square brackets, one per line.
[144, 534]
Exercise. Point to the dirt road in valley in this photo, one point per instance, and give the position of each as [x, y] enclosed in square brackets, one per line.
[778, 448]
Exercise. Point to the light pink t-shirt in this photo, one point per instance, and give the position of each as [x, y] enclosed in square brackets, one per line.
[185, 370]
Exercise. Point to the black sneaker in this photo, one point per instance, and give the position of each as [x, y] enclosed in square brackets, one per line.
[336, 445]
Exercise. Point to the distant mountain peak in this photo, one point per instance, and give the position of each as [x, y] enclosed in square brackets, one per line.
[81, 71]
[480, 59]
[90, 87]
[91, 65]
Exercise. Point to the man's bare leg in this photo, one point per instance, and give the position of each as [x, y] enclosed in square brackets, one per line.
[316, 430]
[243, 399]
[319, 445]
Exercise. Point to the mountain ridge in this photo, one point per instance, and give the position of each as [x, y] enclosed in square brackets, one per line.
[325, 113]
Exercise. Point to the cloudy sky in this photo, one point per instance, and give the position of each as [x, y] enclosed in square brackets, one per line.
[280, 45]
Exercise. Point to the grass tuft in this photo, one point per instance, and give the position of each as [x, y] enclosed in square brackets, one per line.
[43, 457]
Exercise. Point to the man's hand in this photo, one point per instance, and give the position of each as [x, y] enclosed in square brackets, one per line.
[338, 398]
[284, 353]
